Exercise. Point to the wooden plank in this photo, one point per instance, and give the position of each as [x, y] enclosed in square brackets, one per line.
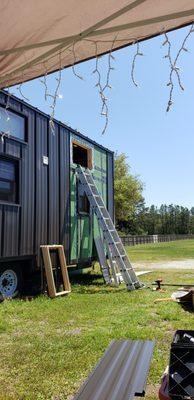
[64, 271]
[49, 270]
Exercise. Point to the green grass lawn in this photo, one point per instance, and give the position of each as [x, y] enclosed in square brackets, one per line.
[180, 249]
[48, 347]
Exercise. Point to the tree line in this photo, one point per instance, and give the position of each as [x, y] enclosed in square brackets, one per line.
[164, 220]
[132, 215]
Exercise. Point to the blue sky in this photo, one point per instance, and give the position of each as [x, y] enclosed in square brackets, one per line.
[159, 145]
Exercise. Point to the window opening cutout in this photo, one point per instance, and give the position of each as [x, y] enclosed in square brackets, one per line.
[83, 204]
[82, 155]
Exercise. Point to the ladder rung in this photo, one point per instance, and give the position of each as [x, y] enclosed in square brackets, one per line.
[111, 237]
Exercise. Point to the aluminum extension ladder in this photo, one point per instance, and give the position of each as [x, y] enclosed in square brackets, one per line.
[116, 251]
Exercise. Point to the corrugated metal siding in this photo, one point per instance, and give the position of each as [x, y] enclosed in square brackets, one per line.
[121, 373]
[27, 222]
[43, 215]
[41, 187]
[10, 230]
[64, 199]
[15, 104]
[12, 148]
[1, 147]
[53, 217]
[11, 213]
[1, 229]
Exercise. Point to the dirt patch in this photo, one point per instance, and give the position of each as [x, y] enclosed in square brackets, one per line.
[152, 391]
[159, 265]
[75, 331]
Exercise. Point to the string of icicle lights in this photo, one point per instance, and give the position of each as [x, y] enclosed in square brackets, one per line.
[103, 89]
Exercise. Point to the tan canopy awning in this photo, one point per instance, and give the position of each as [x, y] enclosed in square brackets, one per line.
[41, 36]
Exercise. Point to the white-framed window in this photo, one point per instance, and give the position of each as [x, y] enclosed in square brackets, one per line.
[12, 124]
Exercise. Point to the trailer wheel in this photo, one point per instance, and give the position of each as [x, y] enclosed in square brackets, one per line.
[10, 281]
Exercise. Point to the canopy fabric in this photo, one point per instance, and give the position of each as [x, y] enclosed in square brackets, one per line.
[41, 36]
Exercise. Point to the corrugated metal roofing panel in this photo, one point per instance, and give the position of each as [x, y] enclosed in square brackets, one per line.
[121, 373]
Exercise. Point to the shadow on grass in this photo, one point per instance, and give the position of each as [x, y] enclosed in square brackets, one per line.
[93, 283]
[187, 307]
[87, 279]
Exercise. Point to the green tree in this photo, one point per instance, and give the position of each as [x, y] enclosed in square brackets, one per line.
[128, 194]
[191, 221]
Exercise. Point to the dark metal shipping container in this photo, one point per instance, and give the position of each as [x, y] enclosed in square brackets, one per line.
[39, 198]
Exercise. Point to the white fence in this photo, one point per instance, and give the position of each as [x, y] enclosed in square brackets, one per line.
[134, 240]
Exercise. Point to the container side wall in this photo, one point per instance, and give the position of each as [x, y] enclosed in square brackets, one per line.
[1, 229]
[27, 221]
[11, 231]
[41, 187]
[53, 217]
[47, 211]
[12, 148]
[10, 213]
[64, 200]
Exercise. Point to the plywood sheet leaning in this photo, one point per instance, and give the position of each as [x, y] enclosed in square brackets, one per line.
[49, 270]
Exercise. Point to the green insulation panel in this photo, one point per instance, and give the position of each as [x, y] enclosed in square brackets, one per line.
[100, 178]
[84, 226]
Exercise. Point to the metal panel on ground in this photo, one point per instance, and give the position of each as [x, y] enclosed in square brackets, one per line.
[121, 373]
[28, 187]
